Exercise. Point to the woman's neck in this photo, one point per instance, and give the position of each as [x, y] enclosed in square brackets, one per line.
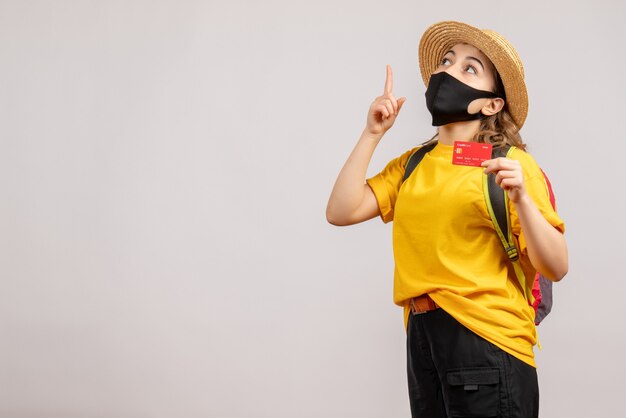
[458, 131]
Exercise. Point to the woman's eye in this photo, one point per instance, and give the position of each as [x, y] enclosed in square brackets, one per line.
[443, 61]
[469, 67]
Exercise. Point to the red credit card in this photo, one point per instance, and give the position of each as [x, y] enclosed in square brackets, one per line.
[470, 153]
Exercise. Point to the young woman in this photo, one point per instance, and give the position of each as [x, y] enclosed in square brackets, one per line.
[470, 329]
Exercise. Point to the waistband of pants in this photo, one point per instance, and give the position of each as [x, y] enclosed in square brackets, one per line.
[422, 304]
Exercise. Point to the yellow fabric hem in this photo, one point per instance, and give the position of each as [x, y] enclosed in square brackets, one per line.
[380, 192]
[530, 360]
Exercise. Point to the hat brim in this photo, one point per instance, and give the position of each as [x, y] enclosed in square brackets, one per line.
[442, 36]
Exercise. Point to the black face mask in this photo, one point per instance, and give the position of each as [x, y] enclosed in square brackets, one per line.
[447, 99]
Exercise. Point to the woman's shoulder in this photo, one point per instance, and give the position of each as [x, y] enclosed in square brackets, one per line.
[394, 169]
[403, 158]
[528, 162]
[427, 146]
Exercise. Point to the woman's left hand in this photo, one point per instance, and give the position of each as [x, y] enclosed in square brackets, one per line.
[509, 176]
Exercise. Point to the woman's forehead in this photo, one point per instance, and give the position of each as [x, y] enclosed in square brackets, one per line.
[467, 49]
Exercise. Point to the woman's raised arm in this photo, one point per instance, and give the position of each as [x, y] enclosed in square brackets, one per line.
[351, 200]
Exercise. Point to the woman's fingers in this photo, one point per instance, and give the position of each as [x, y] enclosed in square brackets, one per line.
[508, 172]
[385, 107]
[388, 81]
[501, 163]
[399, 104]
[512, 178]
[509, 176]
[503, 168]
[401, 101]
[394, 103]
[390, 107]
[382, 109]
[507, 184]
[388, 93]
[391, 103]
[383, 102]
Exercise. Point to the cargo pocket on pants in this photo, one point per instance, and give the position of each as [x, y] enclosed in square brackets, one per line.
[473, 392]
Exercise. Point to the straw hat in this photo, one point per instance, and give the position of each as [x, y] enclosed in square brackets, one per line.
[440, 37]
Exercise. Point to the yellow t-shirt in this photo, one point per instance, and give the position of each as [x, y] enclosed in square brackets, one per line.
[444, 244]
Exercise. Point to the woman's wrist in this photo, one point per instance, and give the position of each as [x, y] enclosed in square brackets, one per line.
[372, 137]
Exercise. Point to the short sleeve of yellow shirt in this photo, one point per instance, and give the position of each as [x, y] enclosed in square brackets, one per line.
[386, 184]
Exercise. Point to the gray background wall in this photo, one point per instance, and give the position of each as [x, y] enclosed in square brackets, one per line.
[164, 172]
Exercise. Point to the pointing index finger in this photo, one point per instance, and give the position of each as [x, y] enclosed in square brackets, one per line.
[389, 80]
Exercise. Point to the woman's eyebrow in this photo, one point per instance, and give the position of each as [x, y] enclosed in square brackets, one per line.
[469, 58]
[476, 59]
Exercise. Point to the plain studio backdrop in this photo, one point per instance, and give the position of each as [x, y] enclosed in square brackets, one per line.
[164, 173]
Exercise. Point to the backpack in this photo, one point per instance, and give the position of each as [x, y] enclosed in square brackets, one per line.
[539, 296]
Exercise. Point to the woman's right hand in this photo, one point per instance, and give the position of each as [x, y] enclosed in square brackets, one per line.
[384, 109]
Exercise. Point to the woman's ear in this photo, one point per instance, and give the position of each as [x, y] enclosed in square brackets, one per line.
[493, 106]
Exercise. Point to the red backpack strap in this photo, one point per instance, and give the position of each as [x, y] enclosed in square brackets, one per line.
[537, 291]
[542, 287]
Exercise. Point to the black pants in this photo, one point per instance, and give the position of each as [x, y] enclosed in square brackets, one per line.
[452, 372]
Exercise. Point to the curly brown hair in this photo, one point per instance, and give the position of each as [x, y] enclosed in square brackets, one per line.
[499, 129]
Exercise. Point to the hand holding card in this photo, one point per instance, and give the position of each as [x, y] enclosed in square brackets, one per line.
[470, 153]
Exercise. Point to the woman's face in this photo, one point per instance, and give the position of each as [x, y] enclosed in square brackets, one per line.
[469, 65]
